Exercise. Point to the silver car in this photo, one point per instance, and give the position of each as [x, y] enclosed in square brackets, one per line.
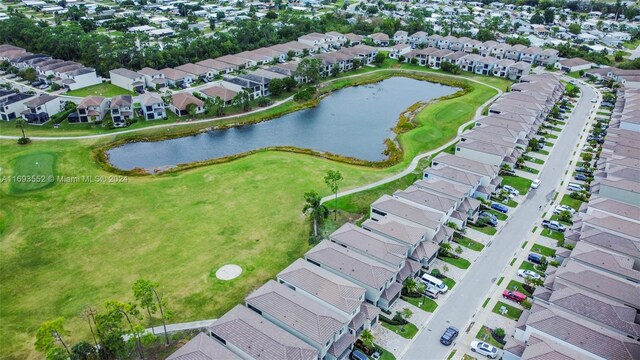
[485, 349]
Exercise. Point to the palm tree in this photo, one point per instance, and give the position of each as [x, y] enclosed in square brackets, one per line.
[411, 285]
[445, 249]
[367, 339]
[315, 209]
[21, 123]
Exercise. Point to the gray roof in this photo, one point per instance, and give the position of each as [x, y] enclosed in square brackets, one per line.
[425, 198]
[297, 311]
[323, 284]
[40, 100]
[396, 230]
[125, 73]
[351, 264]
[445, 187]
[370, 244]
[259, 338]
[404, 210]
[473, 166]
[202, 347]
[456, 175]
[538, 348]
[581, 333]
[150, 99]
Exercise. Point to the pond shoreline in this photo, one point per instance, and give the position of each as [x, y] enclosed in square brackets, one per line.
[393, 148]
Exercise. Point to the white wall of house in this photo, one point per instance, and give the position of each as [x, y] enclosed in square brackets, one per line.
[124, 82]
[84, 80]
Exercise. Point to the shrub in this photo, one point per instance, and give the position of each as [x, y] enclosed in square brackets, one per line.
[526, 304]
[436, 273]
[499, 333]
[24, 140]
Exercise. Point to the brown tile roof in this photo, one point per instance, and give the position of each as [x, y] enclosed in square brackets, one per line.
[297, 311]
[259, 338]
[91, 100]
[396, 230]
[324, 285]
[370, 244]
[218, 91]
[352, 264]
[182, 100]
[407, 211]
[202, 347]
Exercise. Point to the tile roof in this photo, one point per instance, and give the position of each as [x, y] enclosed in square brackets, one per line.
[297, 311]
[203, 347]
[259, 338]
[325, 285]
[396, 230]
[405, 210]
[352, 264]
[367, 243]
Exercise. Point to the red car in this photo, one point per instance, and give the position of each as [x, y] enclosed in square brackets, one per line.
[514, 295]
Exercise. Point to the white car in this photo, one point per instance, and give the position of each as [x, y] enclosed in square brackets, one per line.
[511, 190]
[483, 348]
[535, 183]
[561, 208]
[528, 274]
[594, 100]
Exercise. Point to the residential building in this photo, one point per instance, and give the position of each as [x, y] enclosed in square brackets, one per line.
[152, 107]
[12, 105]
[153, 78]
[127, 79]
[40, 109]
[180, 104]
[92, 109]
[121, 109]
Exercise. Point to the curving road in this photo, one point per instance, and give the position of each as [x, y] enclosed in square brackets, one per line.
[97, 136]
[467, 296]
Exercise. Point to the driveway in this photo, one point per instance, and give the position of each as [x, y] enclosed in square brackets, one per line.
[468, 295]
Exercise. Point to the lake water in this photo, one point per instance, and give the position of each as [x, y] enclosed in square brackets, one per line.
[353, 122]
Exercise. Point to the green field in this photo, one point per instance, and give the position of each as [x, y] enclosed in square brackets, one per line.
[484, 334]
[461, 263]
[32, 172]
[428, 305]
[471, 244]
[485, 229]
[568, 200]
[543, 250]
[104, 89]
[74, 244]
[517, 286]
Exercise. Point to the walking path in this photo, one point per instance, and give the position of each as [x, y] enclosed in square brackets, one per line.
[277, 103]
[181, 326]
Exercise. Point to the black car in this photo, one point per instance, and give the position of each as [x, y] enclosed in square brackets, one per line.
[583, 170]
[449, 335]
[581, 177]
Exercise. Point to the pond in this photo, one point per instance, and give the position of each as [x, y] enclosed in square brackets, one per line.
[352, 122]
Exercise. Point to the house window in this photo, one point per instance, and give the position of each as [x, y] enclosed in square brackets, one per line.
[378, 212]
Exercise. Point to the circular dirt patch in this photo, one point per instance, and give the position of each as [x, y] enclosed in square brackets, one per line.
[228, 272]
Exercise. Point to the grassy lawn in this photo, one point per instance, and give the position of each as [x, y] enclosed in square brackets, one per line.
[486, 301]
[512, 313]
[530, 170]
[530, 266]
[519, 183]
[386, 355]
[407, 331]
[461, 263]
[517, 286]
[428, 305]
[500, 280]
[177, 229]
[543, 250]
[69, 253]
[631, 45]
[104, 89]
[535, 160]
[449, 282]
[556, 218]
[568, 200]
[485, 229]
[555, 235]
[543, 152]
[499, 215]
[485, 335]
[33, 172]
[470, 244]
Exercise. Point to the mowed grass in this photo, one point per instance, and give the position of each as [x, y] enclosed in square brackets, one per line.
[103, 89]
[76, 244]
[543, 250]
[568, 200]
[519, 183]
[423, 303]
[32, 172]
[407, 331]
[512, 312]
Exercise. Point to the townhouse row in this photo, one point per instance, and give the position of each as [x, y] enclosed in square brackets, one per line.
[37, 110]
[67, 74]
[589, 306]
[628, 78]
[320, 304]
[529, 54]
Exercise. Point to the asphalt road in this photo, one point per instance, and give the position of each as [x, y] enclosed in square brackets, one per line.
[469, 293]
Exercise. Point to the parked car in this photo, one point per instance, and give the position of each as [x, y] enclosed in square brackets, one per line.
[575, 187]
[488, 214]
[493, 221]
[561, 208]
[37, 83]
[500, 207]
[528, 274]
[514, 296]
[358, 355]
[43, 86]
[483, 348]
[511, 190]
[553, 225]
[536, 258]
[583, 170]
[449, 335]
[431, 292]
[581, 177]
[594, 100]
[535, 183]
